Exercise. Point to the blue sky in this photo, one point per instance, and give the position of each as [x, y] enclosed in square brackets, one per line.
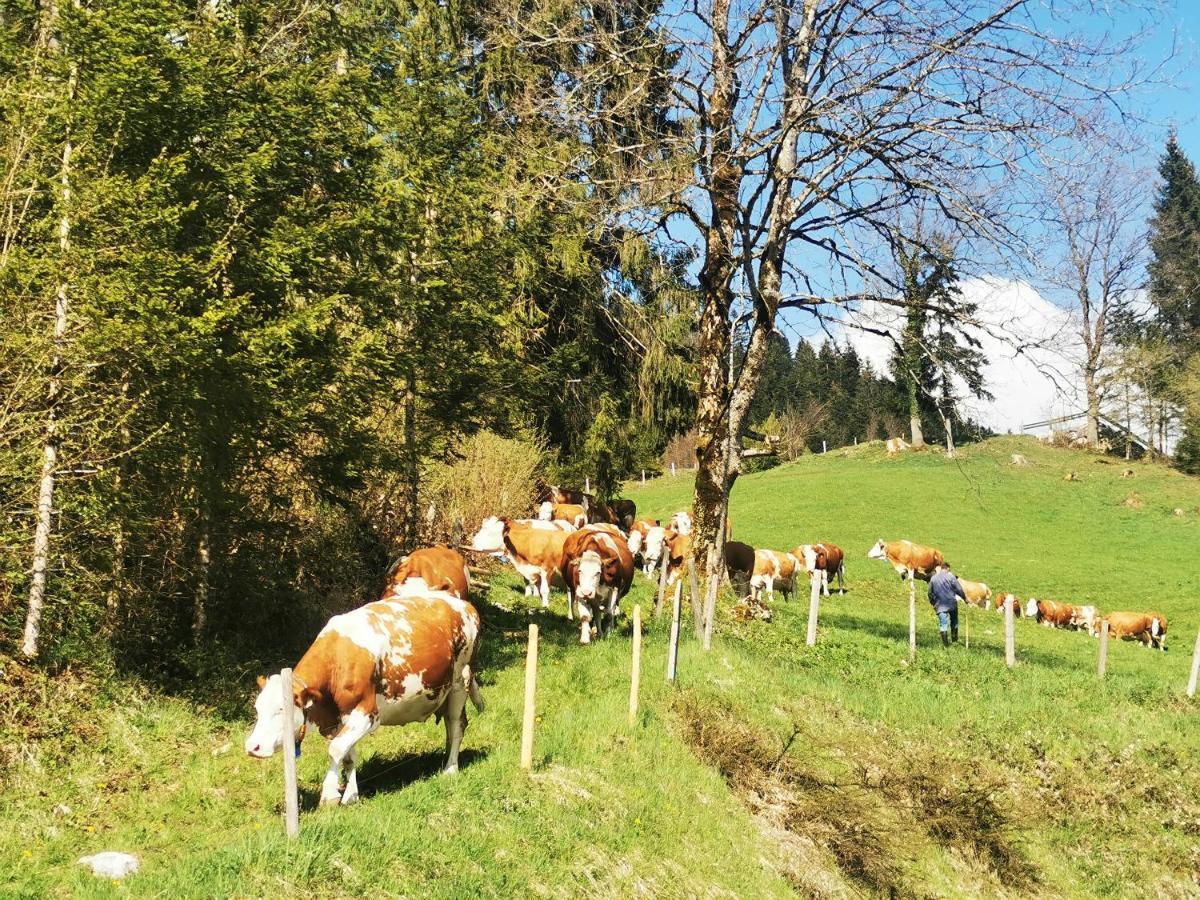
[1176, 103]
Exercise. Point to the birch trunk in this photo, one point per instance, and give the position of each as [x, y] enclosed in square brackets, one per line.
[44, 517]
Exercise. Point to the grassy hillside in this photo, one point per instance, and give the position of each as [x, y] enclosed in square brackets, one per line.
[772, 769]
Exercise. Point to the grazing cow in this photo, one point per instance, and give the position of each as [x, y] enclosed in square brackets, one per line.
[681, 522]
[624, 513]
[1053, 614]
[1002, 597]
[978, 593]
[569, 512]
[646, 540]
[908, 559]
[391, 662]
[1149, 628]
[536, 553]
[596, 561]
[771, 568]
[430, 568]
[825, 558]
[895, 445]
[1083, 618]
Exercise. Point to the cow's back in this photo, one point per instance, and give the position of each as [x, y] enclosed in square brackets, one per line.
[440, 568]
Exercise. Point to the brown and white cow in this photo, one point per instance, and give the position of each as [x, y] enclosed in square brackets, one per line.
[433, 568]
[825, 559]
[908, 559]
[1053, 614]
[536, 553]
[646, 540]
[1000, 598]
[978, 593]
[681, 522]
[391, 662]
[1149, 628]
[597, 568]
[771, 569]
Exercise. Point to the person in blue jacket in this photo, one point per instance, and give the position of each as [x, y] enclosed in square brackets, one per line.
[944, 591]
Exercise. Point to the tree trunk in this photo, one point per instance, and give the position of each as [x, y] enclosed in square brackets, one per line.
[44, 518]
[1093, 406]
[949, 435]
[412, 466]
[203, 574]
[1128, 426]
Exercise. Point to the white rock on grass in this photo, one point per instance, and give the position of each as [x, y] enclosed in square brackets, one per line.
[110, 864]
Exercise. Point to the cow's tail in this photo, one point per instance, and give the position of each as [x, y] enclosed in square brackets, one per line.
[474, 693]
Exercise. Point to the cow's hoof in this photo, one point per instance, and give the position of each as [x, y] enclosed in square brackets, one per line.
[348, 798]
[330, 799]
[450, 770]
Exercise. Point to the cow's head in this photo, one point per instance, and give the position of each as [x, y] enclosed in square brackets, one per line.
[546, 511]
[267, 738]
[490, 536]
[878, 551]
[1031, 608]
[589, 567]
[681, 523]
[654, 543]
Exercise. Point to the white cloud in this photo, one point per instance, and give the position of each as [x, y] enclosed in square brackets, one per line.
[1029, 342]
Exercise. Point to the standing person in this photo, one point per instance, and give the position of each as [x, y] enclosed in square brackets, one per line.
[944, 591]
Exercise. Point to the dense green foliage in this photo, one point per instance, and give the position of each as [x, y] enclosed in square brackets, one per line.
[772, 770]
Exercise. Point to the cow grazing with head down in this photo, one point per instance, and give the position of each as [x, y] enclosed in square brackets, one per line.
[432, 568]
[395, 661]
[978, 593]
[1053, 614]
[825, 559]
[1149, 628]
[1000, 598]
[535, 552]
[908, 559]
[597, 568]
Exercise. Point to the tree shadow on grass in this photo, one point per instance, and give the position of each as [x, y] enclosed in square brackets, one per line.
[385, 774]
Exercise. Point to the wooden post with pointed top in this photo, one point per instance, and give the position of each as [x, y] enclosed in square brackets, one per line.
[1103, 664]
[1010, 633]
[636, 674]
[530, 691]
[291, 796]
[912, 618]
[1191, 689]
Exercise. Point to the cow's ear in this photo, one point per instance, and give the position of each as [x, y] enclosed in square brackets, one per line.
[306, 697]
[262, 682]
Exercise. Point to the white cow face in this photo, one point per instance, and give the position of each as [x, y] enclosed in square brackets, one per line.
[266, 739]
[654, 543]
[1031, 609]
[546, 511]
[810, 558]
[635, 542]
[490, 536]
[877, 552]
[681, 523]
[589, 575]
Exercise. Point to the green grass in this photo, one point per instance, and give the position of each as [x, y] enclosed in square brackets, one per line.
[772, 769]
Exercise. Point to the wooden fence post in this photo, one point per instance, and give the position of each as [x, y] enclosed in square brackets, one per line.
[530, 689]
[636, 673]
[587, 484]
[1191, 690]
[291, 796]
[1103, 665]
[672, 470]
[824, 449]
[1010, 633]
[967, 626]
[814, 606]
[663, 559]
[673, 646]
[643, 477]
[694, 594]
[912, 618]
[710, 611]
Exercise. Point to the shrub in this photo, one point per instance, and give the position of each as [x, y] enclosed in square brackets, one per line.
[491, 476]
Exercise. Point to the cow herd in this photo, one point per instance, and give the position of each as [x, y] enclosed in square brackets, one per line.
[915, 561]
[411, 654]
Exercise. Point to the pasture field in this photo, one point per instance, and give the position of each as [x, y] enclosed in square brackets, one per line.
[771, 769]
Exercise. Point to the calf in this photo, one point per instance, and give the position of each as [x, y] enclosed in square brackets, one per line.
[536, 553]
[595, 561]
[432, 568]
[1053, 614]
[395, 661]
[908, 559]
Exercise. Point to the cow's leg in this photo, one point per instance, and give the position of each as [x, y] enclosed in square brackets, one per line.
[841, 573]
[544, 589]
[454, 711]
[350, 767]
[585, 622]
[825, 582]
[360, 722]
[570, 603]
[612, 609]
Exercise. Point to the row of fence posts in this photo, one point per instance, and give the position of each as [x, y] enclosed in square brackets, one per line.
[703, 629]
